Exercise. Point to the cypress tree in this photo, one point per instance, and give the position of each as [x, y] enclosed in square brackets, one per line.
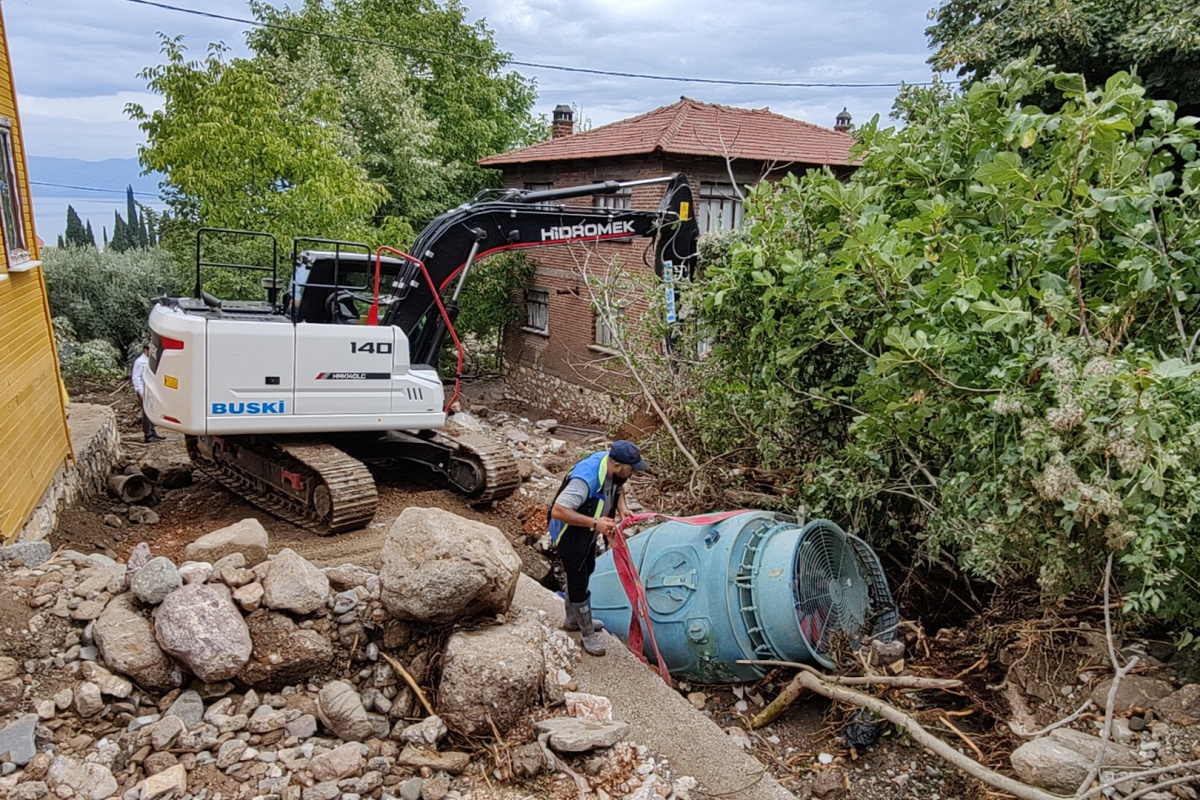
[104, 232]
[91, 237]
[75, 235]
[120, 240]
[60, 241]
[133, 229]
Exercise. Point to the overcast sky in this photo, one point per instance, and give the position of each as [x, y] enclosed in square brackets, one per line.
[76, 62]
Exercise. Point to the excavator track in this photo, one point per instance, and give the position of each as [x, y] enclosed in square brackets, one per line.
[326, 490]
[501, 476]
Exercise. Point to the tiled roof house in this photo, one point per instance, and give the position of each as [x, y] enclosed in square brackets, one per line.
[554, 357]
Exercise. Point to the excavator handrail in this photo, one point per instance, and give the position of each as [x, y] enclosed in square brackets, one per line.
[437, 297]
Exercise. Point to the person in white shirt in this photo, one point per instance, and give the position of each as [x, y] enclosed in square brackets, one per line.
[138, 377]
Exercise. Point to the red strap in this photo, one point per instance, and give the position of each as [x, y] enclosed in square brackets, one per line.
[632, 582]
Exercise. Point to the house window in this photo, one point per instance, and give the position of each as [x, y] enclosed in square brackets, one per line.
[537, 311]
[607, 329]
[621, 199]
[10, 198]
[538, 187]
[719, 208]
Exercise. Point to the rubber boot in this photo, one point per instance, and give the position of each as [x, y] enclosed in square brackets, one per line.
[571, 622]
[587, 630]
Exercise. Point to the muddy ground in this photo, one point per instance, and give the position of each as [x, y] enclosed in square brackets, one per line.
[949, 634]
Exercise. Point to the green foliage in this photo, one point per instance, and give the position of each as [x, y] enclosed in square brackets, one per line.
[986, 338]
[237, 156]
[1096, 38]
[486, 306]
[422, 112]
[76, 235]
[105, 294]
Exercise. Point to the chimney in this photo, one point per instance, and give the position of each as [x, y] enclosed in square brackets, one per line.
[842, 124]
[564, 122]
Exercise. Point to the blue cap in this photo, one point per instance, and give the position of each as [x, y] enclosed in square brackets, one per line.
[624, 452]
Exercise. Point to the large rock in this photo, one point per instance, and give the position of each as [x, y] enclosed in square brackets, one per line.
[347, 576]
[340, 762]
[491, 673]
[70, 778]
[294, 584]
[1135, 693]
[341, 711]
[201, 627]
[127, 644]
[17, 739]
[571, 735]
[283, 653]
[156, 579]
[1181, 708]
[439, 567]
[247, 537]
[1059, 762]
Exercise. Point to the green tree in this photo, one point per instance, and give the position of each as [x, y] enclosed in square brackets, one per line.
[1160, 39]
[986, 338]
[421, 111]
[120, 240]
[76, 235]
[91, 237]
[235, 156]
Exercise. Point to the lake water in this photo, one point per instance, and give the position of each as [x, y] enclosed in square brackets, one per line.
[50, 213]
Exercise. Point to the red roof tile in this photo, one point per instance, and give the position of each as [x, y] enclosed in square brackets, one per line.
[692, 128]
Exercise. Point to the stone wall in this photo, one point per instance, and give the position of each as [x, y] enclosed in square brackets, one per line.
[97, 446]
[541, 390]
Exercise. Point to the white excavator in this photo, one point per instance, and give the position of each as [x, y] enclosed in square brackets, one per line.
[286, 400]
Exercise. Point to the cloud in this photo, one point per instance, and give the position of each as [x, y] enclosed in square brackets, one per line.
[91, 128]
[89, 53]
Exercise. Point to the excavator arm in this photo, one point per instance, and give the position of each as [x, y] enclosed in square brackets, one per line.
[521, 219]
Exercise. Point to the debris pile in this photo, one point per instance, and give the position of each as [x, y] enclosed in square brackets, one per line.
[240, 674]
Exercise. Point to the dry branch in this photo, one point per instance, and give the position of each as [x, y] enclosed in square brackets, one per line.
[396, 665]
[814, 683]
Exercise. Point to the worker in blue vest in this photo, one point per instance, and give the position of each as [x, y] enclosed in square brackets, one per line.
[589, 503]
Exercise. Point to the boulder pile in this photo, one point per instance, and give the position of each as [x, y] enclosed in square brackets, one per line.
[243, 674]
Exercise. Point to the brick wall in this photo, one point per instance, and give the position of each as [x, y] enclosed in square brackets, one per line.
[562, 369]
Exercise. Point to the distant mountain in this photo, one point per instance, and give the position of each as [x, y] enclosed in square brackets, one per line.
[73, 177]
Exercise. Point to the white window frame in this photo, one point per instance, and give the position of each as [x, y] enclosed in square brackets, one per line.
[605, 336]
[537, 311]
[11, 212]
[620, 200]
[718, 207]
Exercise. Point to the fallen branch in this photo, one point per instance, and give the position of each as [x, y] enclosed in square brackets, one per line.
[1120, 672]
[1079, 712]
[963, 736]
[896, 681]
[396, 665]
[793, 689]
[1189, 767]
[558, 764]
[815, 683]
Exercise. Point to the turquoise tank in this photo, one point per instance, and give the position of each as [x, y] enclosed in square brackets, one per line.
[754, 586]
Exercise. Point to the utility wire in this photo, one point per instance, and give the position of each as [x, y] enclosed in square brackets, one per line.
[89, 188]
[531, 64]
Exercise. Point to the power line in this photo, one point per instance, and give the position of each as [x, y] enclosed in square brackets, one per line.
[531, 64]
[90, 188]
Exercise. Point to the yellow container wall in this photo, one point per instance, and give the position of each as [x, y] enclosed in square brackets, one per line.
[33, 432]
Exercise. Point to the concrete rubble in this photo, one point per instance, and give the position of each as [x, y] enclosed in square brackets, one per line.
[239, 674]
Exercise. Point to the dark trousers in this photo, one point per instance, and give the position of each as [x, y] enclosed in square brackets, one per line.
[577, 549]
[147, 425]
